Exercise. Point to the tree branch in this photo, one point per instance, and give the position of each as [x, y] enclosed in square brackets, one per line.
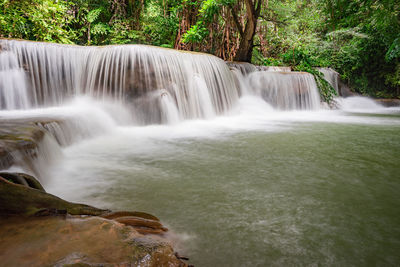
[257, 8]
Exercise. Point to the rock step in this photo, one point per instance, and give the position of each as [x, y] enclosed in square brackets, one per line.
[117, 214]
[22, 179]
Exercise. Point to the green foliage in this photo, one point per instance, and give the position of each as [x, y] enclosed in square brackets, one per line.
[90, 22]
[159, 29]
[360, 38]
[300, 60]
[198, 32]
[44, 20]
[258, 59]
[195, 34]
[121, 33]
[394, 51]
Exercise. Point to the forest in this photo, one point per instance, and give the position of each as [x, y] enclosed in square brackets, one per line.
[360, 39]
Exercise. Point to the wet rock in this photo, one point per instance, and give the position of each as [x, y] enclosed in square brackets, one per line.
[244, 67]
[18, 199]
[94, 241]
[143, 223]
[140, 222]
[22, 179]
[22, 138]
[117, 214]
[136, 221]
[43, 225]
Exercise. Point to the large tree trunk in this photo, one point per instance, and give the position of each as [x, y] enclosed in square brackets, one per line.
[245, 51]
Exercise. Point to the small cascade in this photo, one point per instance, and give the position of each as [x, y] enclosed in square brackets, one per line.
[279, 86]
[170, 113]
[283, 90]
[247, 68]
[201, 98]
[13, 88]
[26, 147]
[241, 81]
[129, 73]
[244, 67]
[332, 77]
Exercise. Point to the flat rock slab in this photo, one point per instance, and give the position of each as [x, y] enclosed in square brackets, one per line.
[91, 241]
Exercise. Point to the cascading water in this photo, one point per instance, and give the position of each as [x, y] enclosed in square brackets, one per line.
[132, 73]
[279, 182]
[332, 77]
[13, 88]
[279, 86]
[138, 85]
[282, 90]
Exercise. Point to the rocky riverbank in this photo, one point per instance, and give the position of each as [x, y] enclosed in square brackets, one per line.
[40, 229]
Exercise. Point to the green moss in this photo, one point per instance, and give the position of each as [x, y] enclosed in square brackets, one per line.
[22, 200]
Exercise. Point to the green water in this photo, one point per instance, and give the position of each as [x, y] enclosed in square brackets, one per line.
[311, 193]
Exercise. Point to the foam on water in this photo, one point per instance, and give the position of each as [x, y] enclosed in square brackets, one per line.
[359, 103]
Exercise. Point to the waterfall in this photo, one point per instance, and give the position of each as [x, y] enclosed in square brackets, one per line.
[332, 77]
[13, 88]
[169, 109]
[286, 90]
[283, 90]
[198, 85]
[158, 85]
[278, 86]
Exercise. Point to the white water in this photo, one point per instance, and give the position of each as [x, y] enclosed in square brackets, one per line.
[133, 74]
[13, 88]
[112, 92]
[359, 104]
[332, 77]
[286, 90]
[86, 158]
[199, 150]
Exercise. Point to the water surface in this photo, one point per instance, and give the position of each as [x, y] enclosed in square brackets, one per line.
[301, 188]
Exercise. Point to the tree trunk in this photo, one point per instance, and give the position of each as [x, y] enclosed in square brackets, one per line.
[245, 51]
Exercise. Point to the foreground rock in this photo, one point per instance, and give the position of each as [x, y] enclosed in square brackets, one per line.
[23, 200]
[40, 229]
[94, 241]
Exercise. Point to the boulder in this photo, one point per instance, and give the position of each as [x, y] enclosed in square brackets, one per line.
[61, 233]
[23, 200]
[23, 179]
[94, 241]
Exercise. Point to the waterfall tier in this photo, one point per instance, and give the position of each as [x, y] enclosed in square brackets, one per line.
[197, 85]
[332, 77]
[158, 85]
[286, 90]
